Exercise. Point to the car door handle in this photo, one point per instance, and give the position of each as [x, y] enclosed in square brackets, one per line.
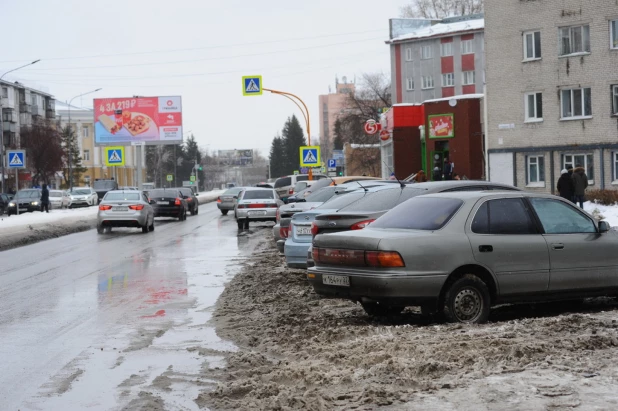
[557, 246]
[486, 248]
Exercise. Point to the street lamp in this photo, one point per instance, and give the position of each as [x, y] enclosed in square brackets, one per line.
[71, 145]
[1, 125]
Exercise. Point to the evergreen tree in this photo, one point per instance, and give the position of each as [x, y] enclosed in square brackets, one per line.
[338, 141]
[71, 150]
[186, 158]
[277, 157]
[293, 139]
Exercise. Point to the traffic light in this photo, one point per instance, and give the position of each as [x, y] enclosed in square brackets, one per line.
[339, 171]
[200, 168]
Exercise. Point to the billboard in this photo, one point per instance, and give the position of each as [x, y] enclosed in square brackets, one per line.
[235, 157]
[441, 126]
[151, 120]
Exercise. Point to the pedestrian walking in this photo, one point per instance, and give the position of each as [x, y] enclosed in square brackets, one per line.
[448, 169]
[420, 177]
[580, 180]
[45, 199]
[566, 185]
[437, 174]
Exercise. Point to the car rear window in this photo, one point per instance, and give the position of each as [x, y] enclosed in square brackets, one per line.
[258, 195]
[301, 185]
[420, 213]
[186, 191]
[302, 178]
[283, 182]
[232, 191]
[104, 184]
[121, 197]
[320, 184]
[340, 201]
[163, 193]
[322, 195]
[55, 194]
[384, 199]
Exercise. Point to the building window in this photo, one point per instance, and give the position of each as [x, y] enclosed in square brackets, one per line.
[615, 99]
[536, 171]
[85, 131]
[448, 80]
[409, 54]
[467, 78]
[33, 99]
[467, 46]
[86, 155]
[574, 39]
[5, 92]
[615, 165]
[576, 103]
[584, 160]
[613, 34]
[534, 107]
[532, 45]
[427, 82]
[409, 83]
[446, 49]
[427, 52]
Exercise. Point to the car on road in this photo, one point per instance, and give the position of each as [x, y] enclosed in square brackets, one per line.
[125, 208]
[102, 186]
[26, 200]
[4, 203]
[59, 199]
[302, 185]
[191, 197]
[285, 185]
[168, 202]
[83, 197]
[256, 204]
[459, 253]
[227, 201]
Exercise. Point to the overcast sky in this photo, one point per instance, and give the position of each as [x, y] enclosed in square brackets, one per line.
[198, 49]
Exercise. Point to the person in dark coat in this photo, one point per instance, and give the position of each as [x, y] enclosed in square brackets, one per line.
[45, 199]
[448, 170]
[580, 181]
[566, 186]
[437, 174]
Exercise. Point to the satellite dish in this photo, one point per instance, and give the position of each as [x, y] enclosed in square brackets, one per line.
[452, 102]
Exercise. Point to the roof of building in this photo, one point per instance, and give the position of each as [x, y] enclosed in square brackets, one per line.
[445, 28]
[17, 84]
[461, 97]
[62, 106]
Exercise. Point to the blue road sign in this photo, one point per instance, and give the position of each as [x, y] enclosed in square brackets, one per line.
[114, 156]
[332, 162]
[310, 156]
[252, 85]
[16, 158]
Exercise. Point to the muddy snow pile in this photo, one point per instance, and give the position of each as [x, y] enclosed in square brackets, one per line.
[298, 351]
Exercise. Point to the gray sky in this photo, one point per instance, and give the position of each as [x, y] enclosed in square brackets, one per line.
[135, 47]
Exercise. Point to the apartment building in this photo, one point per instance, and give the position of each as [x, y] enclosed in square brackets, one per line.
[332, 105]
[552, 91]
[435, 59]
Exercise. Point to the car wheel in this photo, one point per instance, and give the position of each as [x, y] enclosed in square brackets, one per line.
[194, 211]
[382, 310]
[100, 229]
[108, 230]
[240, 224]
[145, 228]
[151, 226]
[247, 224]
[224, 212]
[467, 301]
[197, 209]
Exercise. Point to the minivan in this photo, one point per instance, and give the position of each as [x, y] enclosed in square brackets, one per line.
[285, 185]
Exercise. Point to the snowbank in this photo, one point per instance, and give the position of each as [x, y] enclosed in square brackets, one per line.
[607, 213]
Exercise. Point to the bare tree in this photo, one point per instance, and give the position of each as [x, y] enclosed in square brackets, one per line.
[43, 146]
[439, 9]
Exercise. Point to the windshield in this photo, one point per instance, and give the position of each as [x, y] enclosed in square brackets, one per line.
[121, 197]
[322, 195]
[258, 195]
[232, 191]
[27, 194]
[321, 184]
[163, 193]
[80, 192]
[420, 213]
[337, 202]
[384, 199]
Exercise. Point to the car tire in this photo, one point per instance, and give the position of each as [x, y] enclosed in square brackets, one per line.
[197, 209]
[100, 229]
[145, 228]
[224, 212]
[467, 300]
[151, 226]
[246, 224]
[194, 211]
[108, 230]
[382, 310]
[240, 224]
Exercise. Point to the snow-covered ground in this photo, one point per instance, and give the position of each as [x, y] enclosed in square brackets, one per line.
[607, 213]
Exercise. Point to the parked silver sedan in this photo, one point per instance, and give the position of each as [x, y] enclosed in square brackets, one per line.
[125, 208]
[256, 204]
[460, 253]
[59, 199]
[227, 201]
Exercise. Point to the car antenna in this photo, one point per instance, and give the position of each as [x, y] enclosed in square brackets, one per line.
[364, 188]
[391, 170]
[331, 179]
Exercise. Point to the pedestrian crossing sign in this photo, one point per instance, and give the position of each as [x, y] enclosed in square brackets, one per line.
[310, 156]
[16, 158]
[114, 156]
[252, 85]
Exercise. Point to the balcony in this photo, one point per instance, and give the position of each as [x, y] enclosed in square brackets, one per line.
[50, 114]
[25, 108]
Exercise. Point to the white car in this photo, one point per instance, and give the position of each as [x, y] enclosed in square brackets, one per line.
[59, 199]
[83, 197]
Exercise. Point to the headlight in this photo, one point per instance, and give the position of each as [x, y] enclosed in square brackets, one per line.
[35, 203]
[11, 204]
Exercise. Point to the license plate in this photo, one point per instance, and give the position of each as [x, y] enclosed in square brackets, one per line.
[121, 208]
[260, 212]
[339, 280]
[303, 230]
[163, 202]
[23, 209]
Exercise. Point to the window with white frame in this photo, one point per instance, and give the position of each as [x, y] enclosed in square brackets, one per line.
[467, 78]
[615, 166]
[576, 103]
[446, 49]
[467, 46]
[615, 99]
[85, 131]
[534, 107]
[448, 80]
[409, 54]
[532, 45]
[427, 52]
[585, 160]
[86, 155]
[613, 34]
[427, 82]
[409, 83]
[5, 92]
[536, 171]
[574, 39]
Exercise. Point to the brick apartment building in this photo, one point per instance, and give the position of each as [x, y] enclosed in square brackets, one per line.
[552, 91]
[332, 105]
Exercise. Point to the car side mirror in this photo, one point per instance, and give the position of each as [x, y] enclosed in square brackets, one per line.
[197, 194]
[603, 226]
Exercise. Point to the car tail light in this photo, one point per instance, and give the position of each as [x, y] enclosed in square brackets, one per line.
[242, 206]
[271, 206]
[315, 254]
[218, 199]
[314, 229]
[383, 259]
[362, 224]
[357, 258]
[136, 207]
[284, 232]
[291, 191]
[105, 207]
[177, 202]
[189, 199]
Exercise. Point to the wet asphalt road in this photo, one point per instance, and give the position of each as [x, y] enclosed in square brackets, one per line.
[93, 321]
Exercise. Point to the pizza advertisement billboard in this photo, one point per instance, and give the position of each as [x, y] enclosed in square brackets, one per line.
[441, 126]
[148, 120]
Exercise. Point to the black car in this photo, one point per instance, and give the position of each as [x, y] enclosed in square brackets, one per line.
[168, 202]
[102, 186]
[27, 200]
[4, 202]
[191, 197]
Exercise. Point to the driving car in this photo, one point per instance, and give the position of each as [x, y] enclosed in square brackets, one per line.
[103, 185]
[285, 185]
[26, 200]
[125, 208]
[168, 202]
[4, 202]
[256, 204]
[227, 200]
[83, 197]
[59, 199]
[466, 252]
[191, 197]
